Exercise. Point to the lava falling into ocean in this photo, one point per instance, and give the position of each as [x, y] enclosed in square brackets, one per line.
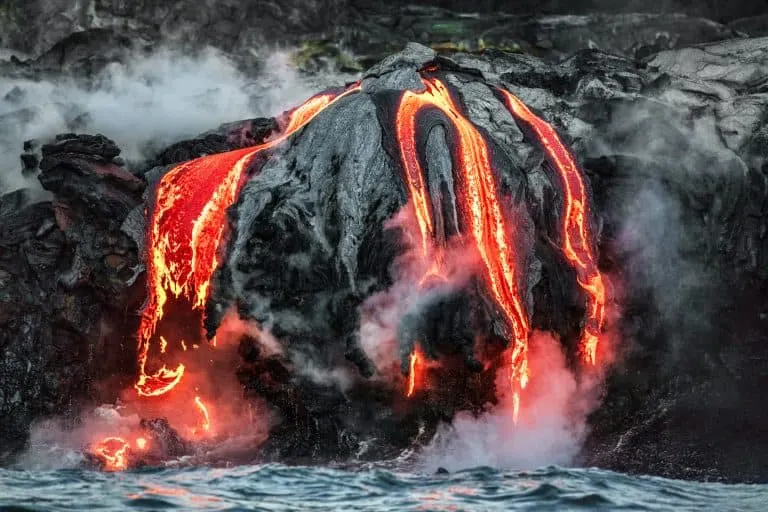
[186, 230]
[187, 234]
[481, 204]
[577, 238]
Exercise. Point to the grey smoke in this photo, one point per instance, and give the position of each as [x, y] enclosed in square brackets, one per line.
[146, 103]
[670, 159]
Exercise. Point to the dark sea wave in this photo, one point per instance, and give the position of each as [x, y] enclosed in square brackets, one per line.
[283, 488]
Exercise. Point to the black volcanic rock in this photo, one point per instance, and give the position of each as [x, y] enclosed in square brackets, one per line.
[71, 37]
[48, 23]
[68, 276]
[674, 147]
[226, 138]
[552, 37]
[753, 26]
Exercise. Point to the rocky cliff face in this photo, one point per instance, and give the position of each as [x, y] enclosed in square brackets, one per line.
[85, 35]
[35, 26]
[71, 281]
[672, 142]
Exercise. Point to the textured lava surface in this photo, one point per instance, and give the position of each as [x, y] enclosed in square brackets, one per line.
[307, 246]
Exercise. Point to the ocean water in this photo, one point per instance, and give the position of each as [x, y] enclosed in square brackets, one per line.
[282, 488]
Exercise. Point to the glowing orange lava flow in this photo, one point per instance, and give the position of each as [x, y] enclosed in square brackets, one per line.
[488, 226]
[304, 113]
[410, 104]
[414, 366]
[578, 244]
[205, 424]
[113, 451]
[186, 229]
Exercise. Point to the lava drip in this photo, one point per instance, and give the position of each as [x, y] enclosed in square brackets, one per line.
[482, 207]
[578, 242]
[205, 423]
[414, 365]
[186, 231]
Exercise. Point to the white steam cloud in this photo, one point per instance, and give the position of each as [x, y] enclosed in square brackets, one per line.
[554, 406]
[146, 103]
[551, 427]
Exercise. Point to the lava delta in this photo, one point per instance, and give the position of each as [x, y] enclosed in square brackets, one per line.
[394, 203]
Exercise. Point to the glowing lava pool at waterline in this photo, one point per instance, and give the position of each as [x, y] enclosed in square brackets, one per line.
[187, 235]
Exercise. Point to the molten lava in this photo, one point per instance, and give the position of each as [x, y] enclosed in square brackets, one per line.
[113, 451]
[159, 383]
[305, 112]
[205, 423]
[578, 243]
[410, 104]
[186, 230]
[413, 368]
[480, 202]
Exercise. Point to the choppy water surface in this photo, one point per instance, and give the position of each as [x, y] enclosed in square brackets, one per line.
[276, 487]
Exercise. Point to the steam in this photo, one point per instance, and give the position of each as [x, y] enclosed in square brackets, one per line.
[555, 404]
[57, 444]
[552, 422]
[145, 103]
[665, 228]
[382, 314]
[313, 370]
[668, 221]
[238, 425]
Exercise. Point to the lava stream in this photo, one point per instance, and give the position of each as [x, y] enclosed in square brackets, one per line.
[414, 367]
[186, 230]
[481, 205]
[410, 104]
[578, 244]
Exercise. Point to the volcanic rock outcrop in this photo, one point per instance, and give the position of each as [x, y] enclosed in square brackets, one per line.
[673, 150]
[68, 276]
